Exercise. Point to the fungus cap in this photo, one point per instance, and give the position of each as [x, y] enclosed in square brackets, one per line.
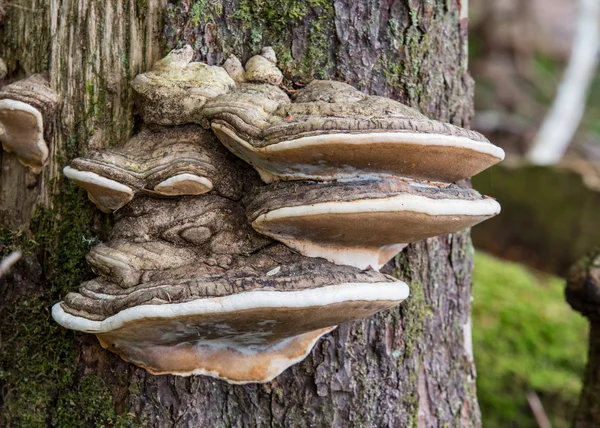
[185, 160]
[247, 325]
[167, 238]
[331, 130]
[174, 91]
[364, 223]
[235, 69]
[3, 69]
[26, 107]
[263, 69]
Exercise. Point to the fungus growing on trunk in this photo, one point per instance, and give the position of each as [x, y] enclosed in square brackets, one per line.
[165, 238]
[174, 161]
[235, 69]
[26, 109]
[331, 130]
[363, 223]
[246, 325]
[174, 91]
[187, 286]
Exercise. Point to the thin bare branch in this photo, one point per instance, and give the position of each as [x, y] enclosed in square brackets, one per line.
[538, 410]
[8, 262]
[564, 117]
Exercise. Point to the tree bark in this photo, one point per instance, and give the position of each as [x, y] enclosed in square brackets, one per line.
[583, 294]
[410, 366]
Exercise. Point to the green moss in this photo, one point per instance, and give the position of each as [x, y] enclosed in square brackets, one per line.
[525, 338]
[402, 66]
[268, 21]
[37, 357]
[89, 403]
[204, 11]
[259, 23]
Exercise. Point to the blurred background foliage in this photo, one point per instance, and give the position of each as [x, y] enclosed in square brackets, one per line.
[526, 337]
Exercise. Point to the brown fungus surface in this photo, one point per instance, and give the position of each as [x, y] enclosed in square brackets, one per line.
[190, 281]
[363, 223]
[174, 238]
[175, 161]
[27, 109]
[263, 68]
[245, 325]
[331, 130]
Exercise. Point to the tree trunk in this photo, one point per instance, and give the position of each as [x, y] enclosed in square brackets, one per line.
[410, 366]
[583, 294]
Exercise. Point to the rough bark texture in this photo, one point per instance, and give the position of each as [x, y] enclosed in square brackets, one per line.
[588, 410]
[411, 366]
[583, 294]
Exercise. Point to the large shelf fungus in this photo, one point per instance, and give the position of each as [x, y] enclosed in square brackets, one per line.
[27, 108]
[331, 130]
[174, 91]
[246, 325]
[363, 223]
[173, 161]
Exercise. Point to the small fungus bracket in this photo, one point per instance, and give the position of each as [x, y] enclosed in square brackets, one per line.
[27, 109]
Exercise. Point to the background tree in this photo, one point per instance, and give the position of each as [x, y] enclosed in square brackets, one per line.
[409, 366]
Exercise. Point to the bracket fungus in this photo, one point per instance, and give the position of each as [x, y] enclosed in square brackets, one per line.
[330, 130]
[174, 161]
[174, 91]
[27, 107]
[363, 223]
[235, 69]
[245, 325]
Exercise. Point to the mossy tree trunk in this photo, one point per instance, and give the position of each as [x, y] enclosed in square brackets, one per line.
[411, 366]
